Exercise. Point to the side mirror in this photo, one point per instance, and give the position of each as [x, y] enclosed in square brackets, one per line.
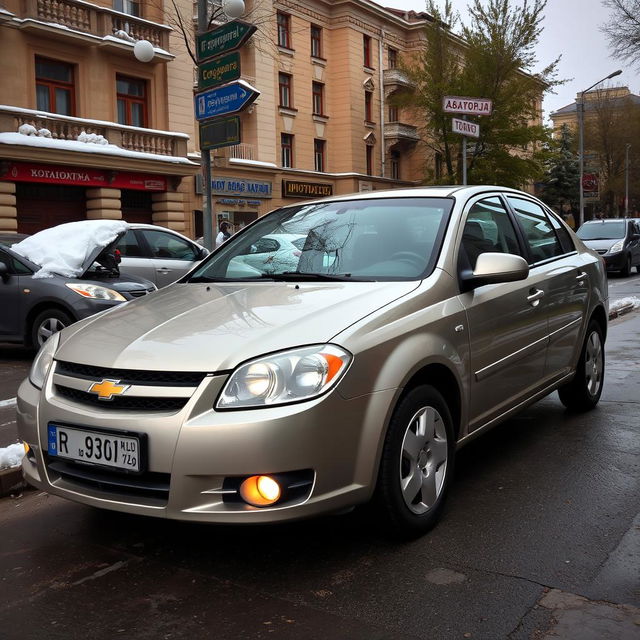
[493, 268]
[203, 253]
[4, 271]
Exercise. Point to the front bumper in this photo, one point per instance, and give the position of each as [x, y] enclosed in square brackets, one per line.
[198, 450]
[615, 261]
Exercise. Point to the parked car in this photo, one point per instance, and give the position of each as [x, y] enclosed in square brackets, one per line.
[34, 308]
[617, 240]
[158, 254]
[274, 252]
[413, 321]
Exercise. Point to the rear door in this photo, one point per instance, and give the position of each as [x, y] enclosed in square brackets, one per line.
[560, 273]
[135, 257]
[172, 256]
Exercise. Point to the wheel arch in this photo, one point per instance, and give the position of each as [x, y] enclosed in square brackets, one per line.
[601, 317]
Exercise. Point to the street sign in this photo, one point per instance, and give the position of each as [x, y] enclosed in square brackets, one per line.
[224, 100]
[220, 133]
[219, 70]
[228, 37]
[590, 186]
[469, 106]
[465, 127]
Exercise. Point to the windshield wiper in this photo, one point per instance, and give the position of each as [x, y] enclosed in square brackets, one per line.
[292, 276]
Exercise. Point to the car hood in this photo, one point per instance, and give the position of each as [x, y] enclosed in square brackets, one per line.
[600, 245]
[199, 327]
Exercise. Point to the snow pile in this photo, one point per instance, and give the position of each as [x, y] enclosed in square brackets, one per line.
[624, 302]
[91, 138]
[27, 130]
[67, 248]
[11, 456]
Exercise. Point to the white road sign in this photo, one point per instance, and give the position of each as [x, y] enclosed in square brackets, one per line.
[470, 106]
[466, 128]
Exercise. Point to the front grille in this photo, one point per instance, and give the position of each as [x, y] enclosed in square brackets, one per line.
[145, 485]
[139, 293]
[123, 403]
[131, 376]
[601, 251]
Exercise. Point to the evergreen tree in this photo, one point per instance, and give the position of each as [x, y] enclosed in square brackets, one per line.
[562, 176]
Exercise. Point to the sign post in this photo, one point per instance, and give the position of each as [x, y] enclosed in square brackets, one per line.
[466, 106]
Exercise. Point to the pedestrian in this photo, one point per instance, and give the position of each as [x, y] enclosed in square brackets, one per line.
[224, 235]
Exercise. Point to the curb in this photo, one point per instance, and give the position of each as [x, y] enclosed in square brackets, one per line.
[11, 481]
[616, 313]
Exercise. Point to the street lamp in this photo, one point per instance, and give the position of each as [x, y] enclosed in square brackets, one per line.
[581, 137]
[626, 179]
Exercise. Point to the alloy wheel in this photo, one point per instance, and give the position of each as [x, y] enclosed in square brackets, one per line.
[593, 363]
[47, 328]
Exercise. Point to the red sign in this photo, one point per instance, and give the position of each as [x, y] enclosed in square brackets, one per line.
[81, 176]
[590, 185]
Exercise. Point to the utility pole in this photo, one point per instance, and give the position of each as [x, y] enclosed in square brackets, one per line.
[626, 179]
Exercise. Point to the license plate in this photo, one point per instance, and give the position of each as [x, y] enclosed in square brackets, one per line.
[106, 449]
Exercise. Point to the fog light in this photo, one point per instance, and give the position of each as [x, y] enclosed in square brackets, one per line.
[260, 491]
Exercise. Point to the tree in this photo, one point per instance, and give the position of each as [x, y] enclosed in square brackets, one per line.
[493, 58]
[623, 29]
[562, 175]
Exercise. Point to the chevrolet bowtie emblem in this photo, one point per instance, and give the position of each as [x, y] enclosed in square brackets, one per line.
[106, 389]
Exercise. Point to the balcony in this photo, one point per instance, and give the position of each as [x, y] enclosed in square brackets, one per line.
[394, 79]
[93, 25]
[400, 132]
[242, 151]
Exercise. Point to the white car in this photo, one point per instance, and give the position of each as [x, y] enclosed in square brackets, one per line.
[158, 254]
[275, 252]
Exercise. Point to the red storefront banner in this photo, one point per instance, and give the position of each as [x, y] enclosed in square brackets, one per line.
[81, 176]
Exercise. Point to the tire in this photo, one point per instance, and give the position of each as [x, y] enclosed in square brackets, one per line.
[47, 323]
[417, 463]
[626, 270]
[584, 391]
[638, 268]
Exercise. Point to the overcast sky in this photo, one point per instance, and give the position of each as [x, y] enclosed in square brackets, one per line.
[571, 29]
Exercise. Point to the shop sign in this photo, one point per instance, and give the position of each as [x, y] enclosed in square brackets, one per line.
[241, 187]
[295, 189]
[81, 176]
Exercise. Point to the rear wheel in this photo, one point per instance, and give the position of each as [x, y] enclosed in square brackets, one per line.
[584, 391]
[417, 463]
[47, 323]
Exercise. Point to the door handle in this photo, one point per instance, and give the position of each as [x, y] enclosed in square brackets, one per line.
[163, 270]
[534, 297]
[581, 276]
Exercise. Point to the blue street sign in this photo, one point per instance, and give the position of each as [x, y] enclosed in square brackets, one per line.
[221, 101]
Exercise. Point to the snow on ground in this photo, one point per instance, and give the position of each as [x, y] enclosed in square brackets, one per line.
[11, 456]
[623, 302]
[66, 248]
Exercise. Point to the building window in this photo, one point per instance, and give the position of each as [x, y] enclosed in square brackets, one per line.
[284, 30]
[366, 43]
[318, 154]
[132, 101]
[318, 98]
[395, 165]
[286, 144]
[127, 6]
[393, 114]
[368, 106]
[316, 41]
[369, 150]
[393, 58]
[55, 90]
[284, 90]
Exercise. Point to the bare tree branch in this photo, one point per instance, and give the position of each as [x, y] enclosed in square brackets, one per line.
[623, 29]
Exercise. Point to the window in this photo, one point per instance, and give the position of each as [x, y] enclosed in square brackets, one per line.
[393, 58]
[318, 98]
[368, 106]
[316, 41]
[284, 30]
[369, 151]
[488, 229]
[366, 44]
[167, 245]
[284, 90]
[127, 6]
[286, 144]
[129, 246]
[393, 114]
[395, 165]
[132, 101]
[539, 234]
[318, 154]
[55, 90]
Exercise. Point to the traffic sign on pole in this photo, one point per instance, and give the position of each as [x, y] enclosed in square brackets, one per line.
[228, 37]
[219, 70]
[222, 132]
[224, 100]
[469, 106]
[465, 127]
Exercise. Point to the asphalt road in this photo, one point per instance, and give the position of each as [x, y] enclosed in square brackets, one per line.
[539, 539]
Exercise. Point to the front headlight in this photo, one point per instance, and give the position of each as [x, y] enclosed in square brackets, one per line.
[95, 291]
[617, 247]
[43, 361]
[280, 378]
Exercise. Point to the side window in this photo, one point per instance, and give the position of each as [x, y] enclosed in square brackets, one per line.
[488, 229]
[563, 234]
[166, 245]
[539, 234]
[128, 246]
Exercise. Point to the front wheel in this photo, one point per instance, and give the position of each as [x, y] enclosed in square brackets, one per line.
[46, 324]
[417, 463]
[584, 391]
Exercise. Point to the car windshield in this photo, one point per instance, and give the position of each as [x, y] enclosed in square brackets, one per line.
[373, 239]
[605, 230]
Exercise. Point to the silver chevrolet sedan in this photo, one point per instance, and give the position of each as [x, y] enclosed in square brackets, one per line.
[413, 321]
